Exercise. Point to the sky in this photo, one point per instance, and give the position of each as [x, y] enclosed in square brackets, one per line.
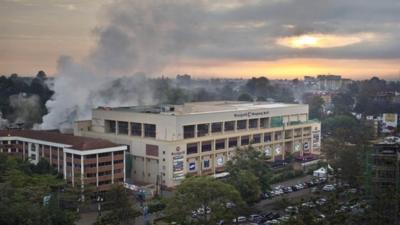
[205, 38]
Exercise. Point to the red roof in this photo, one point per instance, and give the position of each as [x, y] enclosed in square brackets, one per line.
[77, 142]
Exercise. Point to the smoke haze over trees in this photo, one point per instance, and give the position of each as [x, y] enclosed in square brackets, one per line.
[22, 99]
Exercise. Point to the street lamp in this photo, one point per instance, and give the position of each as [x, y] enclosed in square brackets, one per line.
[99, 201]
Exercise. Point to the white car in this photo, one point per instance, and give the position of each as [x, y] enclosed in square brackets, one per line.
[201, 210]
[308, 204]
[328, 187]
[292, 209]
[240, 219]
[321, 201]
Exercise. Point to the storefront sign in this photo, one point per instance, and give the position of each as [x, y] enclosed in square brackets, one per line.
[250, 114]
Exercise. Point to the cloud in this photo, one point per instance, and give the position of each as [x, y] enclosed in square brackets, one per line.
[148, 35]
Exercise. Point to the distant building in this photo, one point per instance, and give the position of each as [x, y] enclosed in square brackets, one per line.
[82, 161]
[167, 142]
[385, 177]
[385, 169]
[329, 82]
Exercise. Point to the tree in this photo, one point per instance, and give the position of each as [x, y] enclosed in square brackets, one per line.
[206, 194]
[245, 97]
[343, 103]
[315, 103]
[247, 184]
[251, 160]
[258, 87]
[122, 211]
[22, 193]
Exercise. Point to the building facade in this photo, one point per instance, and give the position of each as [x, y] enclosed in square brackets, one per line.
[168, 142]
[386, 166]
[82, 161]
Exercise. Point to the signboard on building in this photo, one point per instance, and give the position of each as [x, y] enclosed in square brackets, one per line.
[267, 150]
[316, 139]
[220, 160]
[389, 122]
[250, 114]
[192, 166]
[178, 166]
[297, 147]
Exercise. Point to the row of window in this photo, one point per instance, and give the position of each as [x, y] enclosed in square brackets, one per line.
[189, 131]
[205, 146]
[136, 129]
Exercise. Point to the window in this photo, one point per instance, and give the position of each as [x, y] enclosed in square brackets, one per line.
[264, 122]
[276, 121]
[233, 142]
[123, 127]
[202, 129]
[241, 124]
[229, 125]
[278, 135]
[104, 163]
[253, 123]
[104, 154]
[191, 148]
[256, 138]
[109, 126]
[90, 156]
[188, 131]
[245, 140]
[206, 146]
[216, 127]
[150, 130]
[267, 137]
[136, 129]
[219, 144]
[91, 175]
[206, 163]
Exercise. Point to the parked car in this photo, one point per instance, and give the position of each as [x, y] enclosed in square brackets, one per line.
[321, 201]
[239, 219]
[292, 209]
[273, 222]
[288, 190]
[329, 187]
[272, 216]
[254, 217]
[201, 211]
[308, 204]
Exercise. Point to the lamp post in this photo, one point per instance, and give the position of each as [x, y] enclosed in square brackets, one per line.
[99, 201]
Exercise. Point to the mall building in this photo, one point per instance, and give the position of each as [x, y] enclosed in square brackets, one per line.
[169, 141]
[82, 161]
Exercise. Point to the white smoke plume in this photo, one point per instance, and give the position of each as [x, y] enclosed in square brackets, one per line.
[136, 37]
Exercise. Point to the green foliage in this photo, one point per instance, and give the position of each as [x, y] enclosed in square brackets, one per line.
[245, 97]
[13, 86]
[343, 104]
[22, 191]
[251, 160]
[346, 128]
[121, 208]
[247, 184]
[315, 103]
[203, 192]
